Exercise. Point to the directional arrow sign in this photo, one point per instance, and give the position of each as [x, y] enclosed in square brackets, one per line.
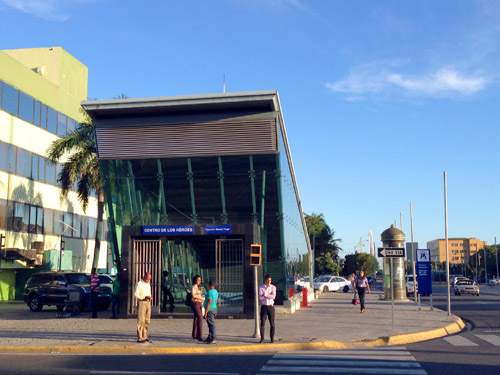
[391, 252]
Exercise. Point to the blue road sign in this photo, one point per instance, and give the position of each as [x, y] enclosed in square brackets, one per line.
[217, 229]
[424, 272]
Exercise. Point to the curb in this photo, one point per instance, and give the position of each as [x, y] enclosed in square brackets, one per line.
[450, 329]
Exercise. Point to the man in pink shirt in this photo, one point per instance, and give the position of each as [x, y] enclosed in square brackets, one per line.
[94, 291]
[267, 294]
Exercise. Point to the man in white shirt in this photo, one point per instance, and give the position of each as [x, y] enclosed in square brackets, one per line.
[143, 295]
[267, 295]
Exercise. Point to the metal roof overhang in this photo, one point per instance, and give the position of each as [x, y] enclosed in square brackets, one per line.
[260, 100]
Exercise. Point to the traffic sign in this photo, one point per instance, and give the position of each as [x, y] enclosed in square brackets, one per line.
[391, 252]
[424, 272]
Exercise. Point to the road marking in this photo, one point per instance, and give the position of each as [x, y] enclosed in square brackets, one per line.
[492, 339]
[340, 362]
[342, 370]
[163, 372]
[388, 360]
[460, 341]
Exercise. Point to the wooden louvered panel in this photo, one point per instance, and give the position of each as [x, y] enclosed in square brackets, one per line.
[199, 139]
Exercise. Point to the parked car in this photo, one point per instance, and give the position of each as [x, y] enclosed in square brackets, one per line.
[410, 288]
[51, 288]
[466, 286]
[329, 283]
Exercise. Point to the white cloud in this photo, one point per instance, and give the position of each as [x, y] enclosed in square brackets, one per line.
[444, 80]
[46, 9]
[371, 78]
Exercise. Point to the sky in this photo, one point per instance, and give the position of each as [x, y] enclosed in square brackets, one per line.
[379, 97]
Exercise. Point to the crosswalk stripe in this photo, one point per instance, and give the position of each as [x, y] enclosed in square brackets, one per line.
[336, 362]
[459, 341]
[492, 339]
[342, 370]
[385, 360]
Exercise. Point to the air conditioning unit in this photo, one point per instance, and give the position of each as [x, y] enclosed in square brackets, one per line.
[39, 246]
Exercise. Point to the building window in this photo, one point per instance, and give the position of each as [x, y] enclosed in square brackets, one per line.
[26, 107]
[10, 99]
[61, 125]
[23, 165]
[52, 120]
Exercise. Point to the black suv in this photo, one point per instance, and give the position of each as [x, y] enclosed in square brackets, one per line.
[52, 288]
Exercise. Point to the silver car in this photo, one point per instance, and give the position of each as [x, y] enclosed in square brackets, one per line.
[466, 286]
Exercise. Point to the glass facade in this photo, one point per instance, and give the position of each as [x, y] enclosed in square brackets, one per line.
[27, 108]
[210, 190]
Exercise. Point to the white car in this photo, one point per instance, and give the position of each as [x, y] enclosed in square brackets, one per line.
[329, 283]
[410, 288]
[466, 286]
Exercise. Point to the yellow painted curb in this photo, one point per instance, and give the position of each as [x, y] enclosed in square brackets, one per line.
[252, 348]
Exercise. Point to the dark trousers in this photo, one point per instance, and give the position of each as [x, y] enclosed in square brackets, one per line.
[167, 296]
[93, 298]
[197, 332]
[361, 294]
[266, 312]
[115, 305]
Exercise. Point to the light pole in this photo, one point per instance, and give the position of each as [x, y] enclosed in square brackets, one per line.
[485, 264]
[496, 254]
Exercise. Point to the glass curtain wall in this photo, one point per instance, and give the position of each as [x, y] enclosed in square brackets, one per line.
[294, 243]
[208, 190]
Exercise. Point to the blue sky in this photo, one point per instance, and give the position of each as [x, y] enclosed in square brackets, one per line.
[379, 97]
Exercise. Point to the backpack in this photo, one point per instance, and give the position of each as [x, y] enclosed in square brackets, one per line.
[189, 299]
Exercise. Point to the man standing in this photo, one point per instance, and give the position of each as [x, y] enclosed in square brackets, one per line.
[115, 297]
[143, 295]
[94, 291]
[267, 294]
[211, 312]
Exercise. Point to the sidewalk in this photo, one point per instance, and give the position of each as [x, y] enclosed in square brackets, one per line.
[331, 323]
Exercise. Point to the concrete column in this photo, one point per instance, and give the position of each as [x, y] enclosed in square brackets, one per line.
[393, 237]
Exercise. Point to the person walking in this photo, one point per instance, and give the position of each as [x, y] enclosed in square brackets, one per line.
[115, 297]
[196, 304]
[267, 295]
[362, 285]
[211, 312]
[143, 295]
[167, 294]
[94, 291]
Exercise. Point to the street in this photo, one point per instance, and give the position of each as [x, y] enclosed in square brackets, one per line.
[475, 350]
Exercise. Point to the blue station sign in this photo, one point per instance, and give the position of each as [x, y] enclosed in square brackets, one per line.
[424, 271]
[217, 229]
[168, 229]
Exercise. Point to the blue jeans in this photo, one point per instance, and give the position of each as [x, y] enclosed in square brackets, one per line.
[212, 332]
[115, 305]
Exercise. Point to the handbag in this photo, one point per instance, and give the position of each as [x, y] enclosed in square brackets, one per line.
[189, 299]
[354, 300]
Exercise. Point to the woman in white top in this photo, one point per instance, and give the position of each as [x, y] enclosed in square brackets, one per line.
[196, 304]
[362, 285]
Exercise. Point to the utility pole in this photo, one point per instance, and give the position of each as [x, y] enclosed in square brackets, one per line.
[446, 242]
[485, 263]
[496, 255]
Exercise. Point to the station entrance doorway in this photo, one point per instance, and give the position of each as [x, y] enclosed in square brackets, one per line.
[173, 263]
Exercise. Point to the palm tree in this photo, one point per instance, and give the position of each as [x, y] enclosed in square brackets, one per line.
[82, 167]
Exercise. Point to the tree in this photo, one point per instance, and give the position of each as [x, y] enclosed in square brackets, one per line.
[81, 167]
[325, 244]
[359, 262]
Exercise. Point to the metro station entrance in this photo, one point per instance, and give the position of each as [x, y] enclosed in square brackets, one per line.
[229, 275]
[174, 261]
